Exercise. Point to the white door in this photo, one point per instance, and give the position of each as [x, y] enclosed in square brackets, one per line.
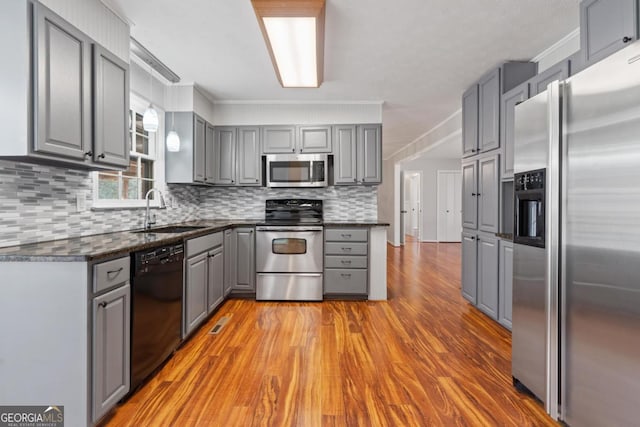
[449, 206]
[402, 210]
[414, 205]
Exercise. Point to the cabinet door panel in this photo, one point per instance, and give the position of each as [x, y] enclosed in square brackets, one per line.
[369, 160]
[469, 267]
[111, 108]
[249, 162]
[111, 349]
[229, 261]
[540, 82]
[470, 121]
[225, 156]
[488, 192]
[196, 292]
[507, 125]
[506, 283]
[488, 275]
[63, 87]
[210, 154]
[606, 26]
[278, 139]
[314, 139]
[215, 294]
[470, 195]
[489, 113]
[199, 166]
[245, 260]
[344, 166]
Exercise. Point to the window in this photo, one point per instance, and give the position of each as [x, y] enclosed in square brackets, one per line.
[128, 188]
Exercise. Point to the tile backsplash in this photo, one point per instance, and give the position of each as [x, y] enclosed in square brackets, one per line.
[38, 203]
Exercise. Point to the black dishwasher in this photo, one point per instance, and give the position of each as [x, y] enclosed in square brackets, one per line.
[156, 301]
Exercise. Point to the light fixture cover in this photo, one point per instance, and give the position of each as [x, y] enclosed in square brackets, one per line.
[150, 119]
[294, 33]
[173, 141]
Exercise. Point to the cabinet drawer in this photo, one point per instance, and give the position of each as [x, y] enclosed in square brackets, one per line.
[111, 273]
[338, 248]
[343, 281]
[346, 235]
[345, 261]
[204, 243]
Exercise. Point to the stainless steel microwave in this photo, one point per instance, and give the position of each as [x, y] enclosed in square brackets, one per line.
[297, 170]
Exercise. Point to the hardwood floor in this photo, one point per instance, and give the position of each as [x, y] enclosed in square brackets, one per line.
[423, 358]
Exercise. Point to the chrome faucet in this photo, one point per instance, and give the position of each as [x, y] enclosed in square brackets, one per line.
[148, 221]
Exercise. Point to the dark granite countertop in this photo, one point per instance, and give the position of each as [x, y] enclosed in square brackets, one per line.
[102, 246]
[505, 236]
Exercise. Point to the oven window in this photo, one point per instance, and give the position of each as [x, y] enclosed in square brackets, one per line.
[290, 171]
[289, 246]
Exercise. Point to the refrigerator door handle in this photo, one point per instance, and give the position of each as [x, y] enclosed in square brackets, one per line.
[562, 321]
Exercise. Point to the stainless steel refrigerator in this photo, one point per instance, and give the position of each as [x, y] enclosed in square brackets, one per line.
[576, 284]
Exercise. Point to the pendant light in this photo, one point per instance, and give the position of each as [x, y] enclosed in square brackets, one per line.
[173, 139]
[150, 117]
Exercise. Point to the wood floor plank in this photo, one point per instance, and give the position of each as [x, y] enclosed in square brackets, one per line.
[425, 357]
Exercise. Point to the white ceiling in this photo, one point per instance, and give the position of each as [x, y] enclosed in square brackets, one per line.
[417, 56]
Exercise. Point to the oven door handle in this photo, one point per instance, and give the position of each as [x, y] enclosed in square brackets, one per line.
[292, 229]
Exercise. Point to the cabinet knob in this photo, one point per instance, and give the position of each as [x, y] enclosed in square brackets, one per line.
[205, 179]
[88, 154]
[256, 180]
[355, 180]
[293, 150]
[478, 194]
[102, 304]
[626, 39]
[101, 156]
[473, 194]
[473, 238]
[473, 150]
[232, 181]
[301, 150]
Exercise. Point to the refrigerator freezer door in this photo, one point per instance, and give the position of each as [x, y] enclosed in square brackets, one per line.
[601, 244]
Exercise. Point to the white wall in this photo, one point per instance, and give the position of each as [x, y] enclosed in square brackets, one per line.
[429, 197]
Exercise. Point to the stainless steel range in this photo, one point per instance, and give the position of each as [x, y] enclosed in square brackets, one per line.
[289, 251]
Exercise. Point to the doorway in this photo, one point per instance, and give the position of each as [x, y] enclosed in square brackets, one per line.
[449, 206]
[412, 206]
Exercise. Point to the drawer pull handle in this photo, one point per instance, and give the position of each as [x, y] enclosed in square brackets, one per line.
[103, 304]
[110, 272]
[345, 274]
[346, 249]
[345, 261]
[346, 236]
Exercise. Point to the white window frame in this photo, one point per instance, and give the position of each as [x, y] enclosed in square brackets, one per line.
[139, 105]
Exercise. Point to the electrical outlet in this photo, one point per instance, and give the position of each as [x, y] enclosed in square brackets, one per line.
[81, 201]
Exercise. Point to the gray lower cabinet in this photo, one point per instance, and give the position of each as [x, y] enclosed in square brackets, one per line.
[606, 26]
[215, 291]
[358, 154]
[195, 303]
[111, 348]
[505, 289]
[507, 125]
[470, 194]
[245, 265]
[346, 262]
[488, 275]
[229, 261]
[69, 96]
[488, 193]
[469, 266]
[560, 71]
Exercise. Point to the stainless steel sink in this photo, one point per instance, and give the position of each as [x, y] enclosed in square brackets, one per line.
[172, 229]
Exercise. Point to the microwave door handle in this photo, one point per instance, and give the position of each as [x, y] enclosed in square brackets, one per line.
[311, 171]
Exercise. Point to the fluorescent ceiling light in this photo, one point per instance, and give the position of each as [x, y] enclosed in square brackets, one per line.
[294, 33]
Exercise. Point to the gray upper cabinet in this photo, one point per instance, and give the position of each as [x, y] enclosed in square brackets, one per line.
[199, 159]
[369, 154]
[111, 108]
[488, 193]
[209, 154]
[470, 121]
[488, 275]
[278, 139]
[470, 195]
[314, 139]
[225, 156]
[505, 290]
[489, 89]
[249, 166]
[245, 266]
[111, 348]
[560, 71]
[469, 267]
[606, 26]
[509, 102]
[345, 161]
[62, 87]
